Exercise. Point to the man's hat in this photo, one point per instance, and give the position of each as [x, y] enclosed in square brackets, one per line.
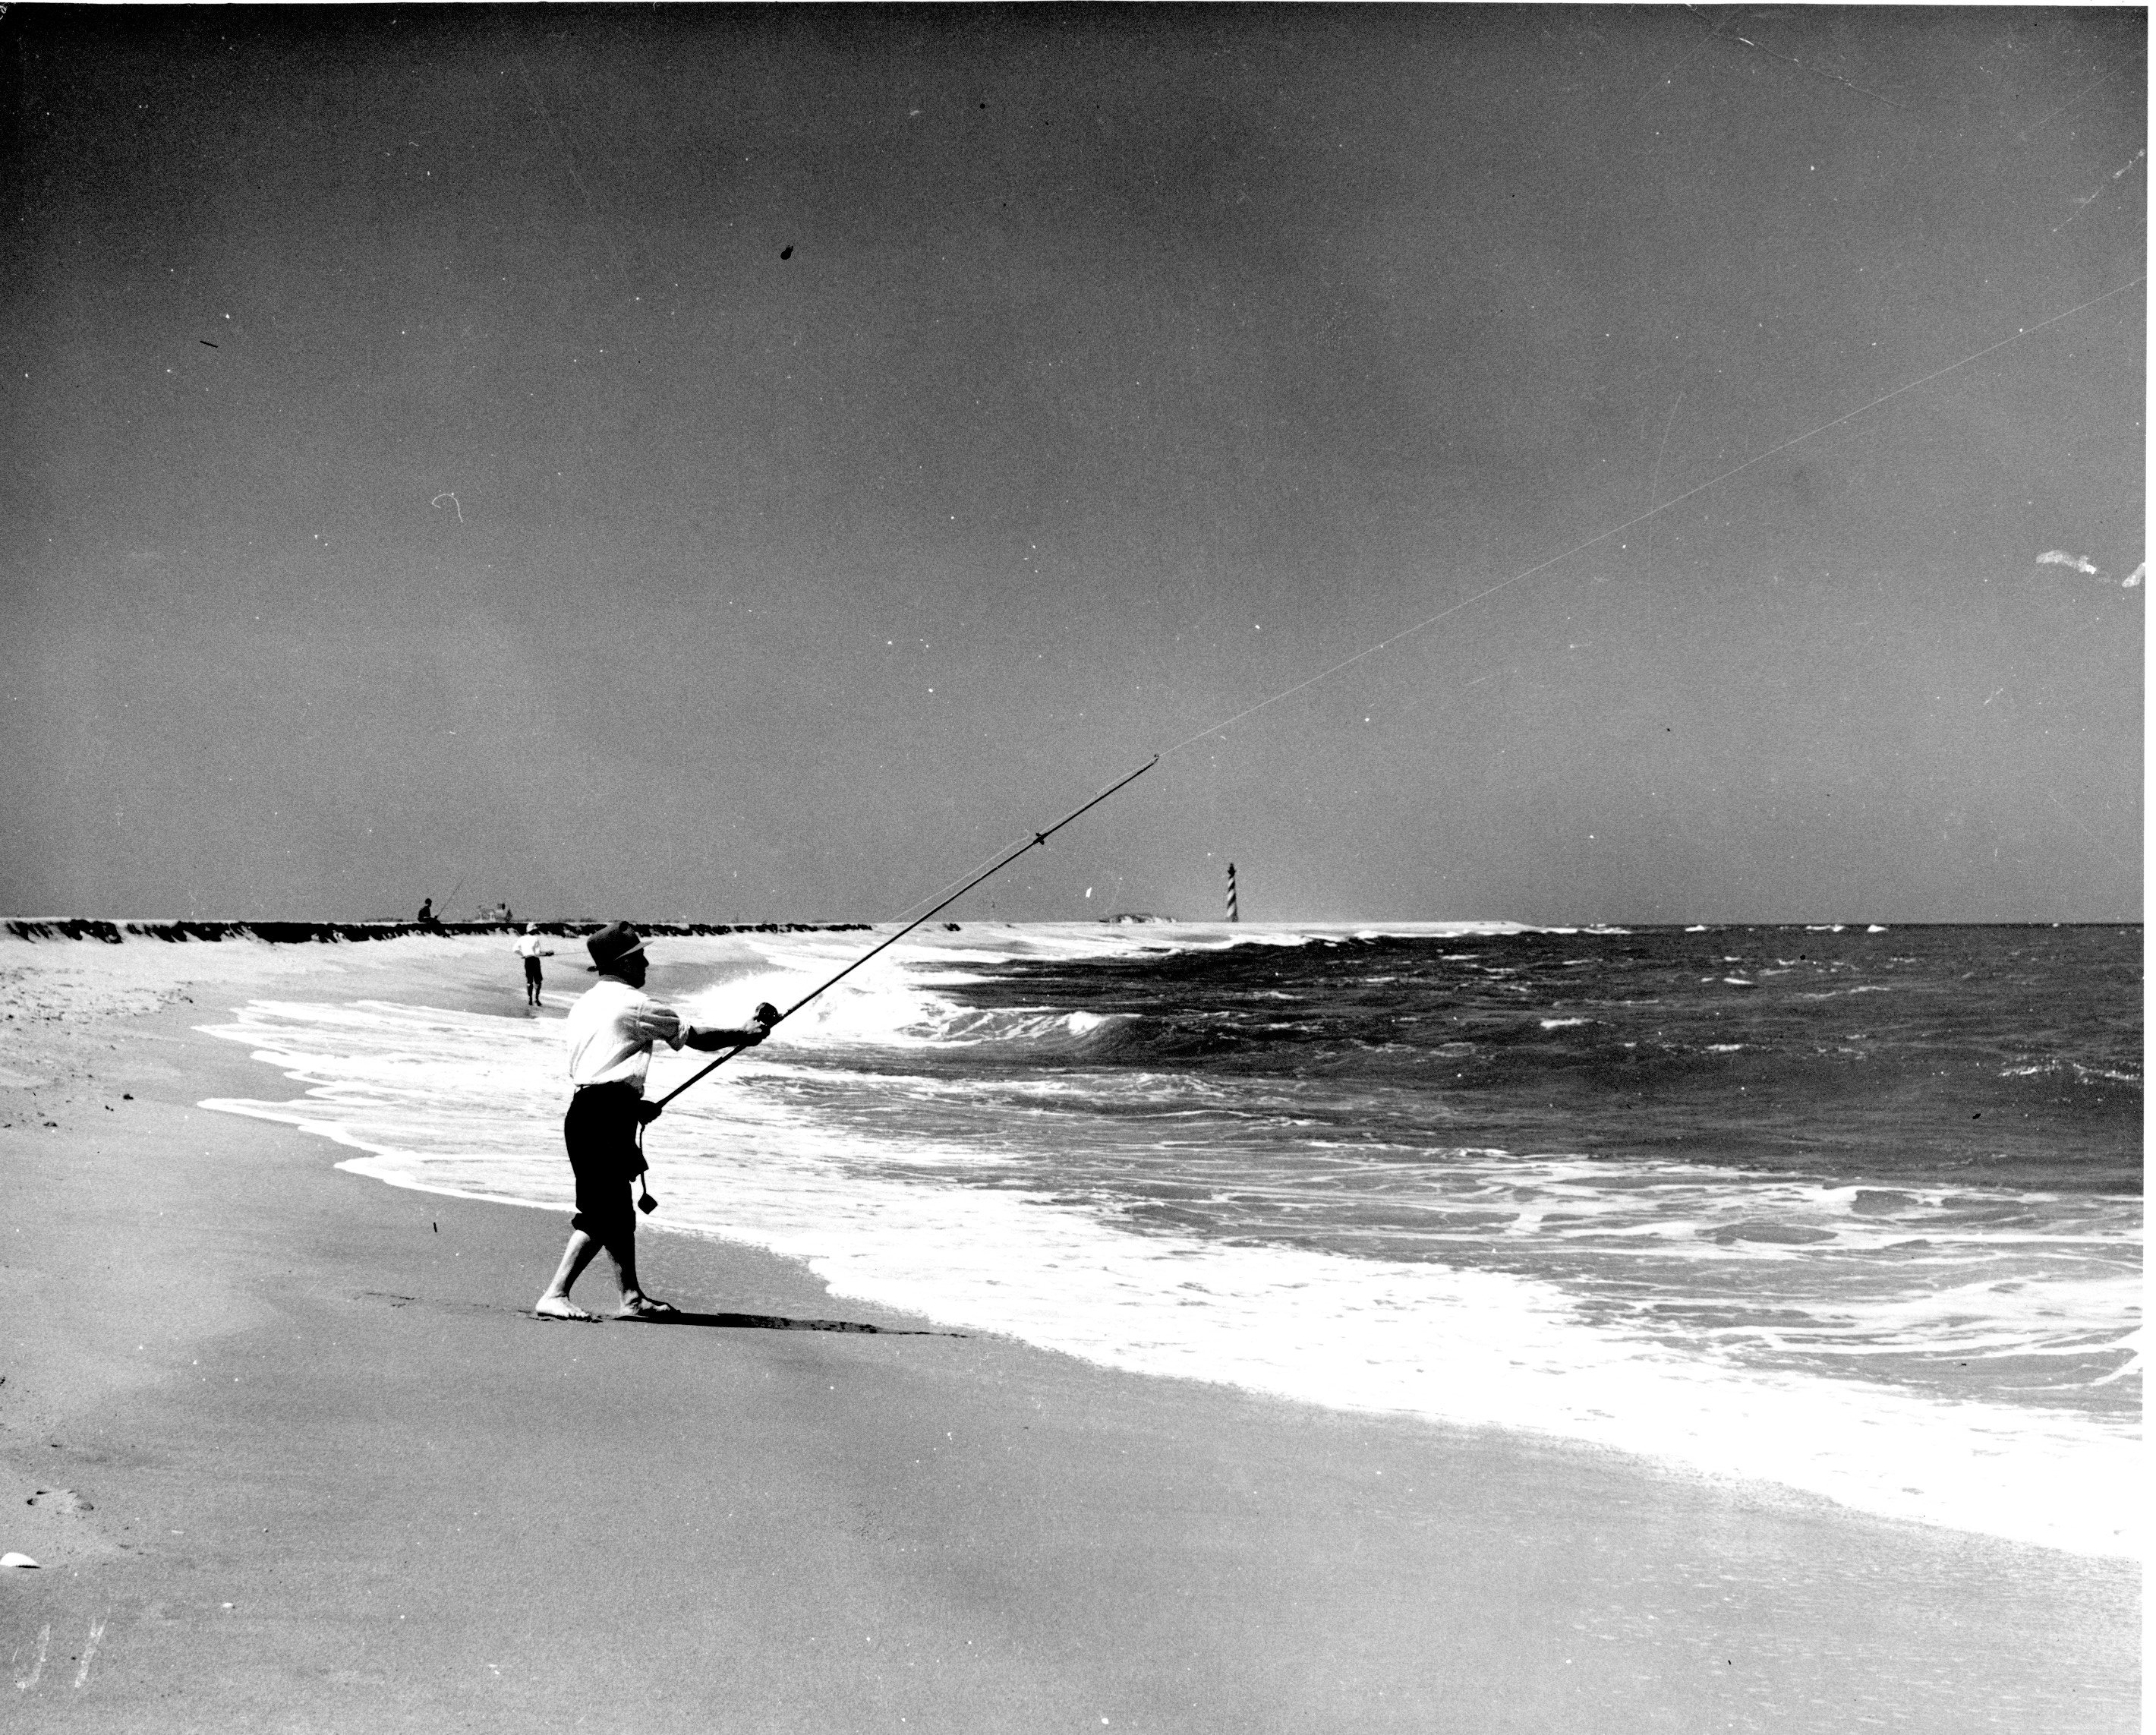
[531, 927]
[612, 943]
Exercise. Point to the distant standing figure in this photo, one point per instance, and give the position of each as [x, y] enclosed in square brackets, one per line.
[610, 1031]
[530, 951]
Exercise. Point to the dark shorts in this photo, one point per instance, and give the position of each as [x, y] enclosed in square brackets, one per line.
[600, 1131]
[531, 969]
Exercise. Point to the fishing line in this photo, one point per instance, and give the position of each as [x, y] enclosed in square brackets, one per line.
[1654, 476]
[2078, 94]
[961, 881]
[1653, 510]
[949, 896]
[1617, 530]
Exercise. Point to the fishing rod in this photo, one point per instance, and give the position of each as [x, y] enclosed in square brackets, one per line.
[1038, 839]
[453, 890]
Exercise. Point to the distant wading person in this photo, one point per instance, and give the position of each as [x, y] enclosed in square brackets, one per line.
[530, 951]
[610, 1031]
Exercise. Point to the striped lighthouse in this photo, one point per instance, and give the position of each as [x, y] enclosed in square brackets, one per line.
[1232, 915]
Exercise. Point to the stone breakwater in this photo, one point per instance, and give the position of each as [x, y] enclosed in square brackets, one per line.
[288, 933]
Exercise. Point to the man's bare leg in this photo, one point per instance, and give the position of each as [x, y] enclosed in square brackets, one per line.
[554, 1303]
[634, 1303]
[583, 1248]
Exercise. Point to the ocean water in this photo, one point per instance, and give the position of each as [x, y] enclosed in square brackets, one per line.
[1855, 1211]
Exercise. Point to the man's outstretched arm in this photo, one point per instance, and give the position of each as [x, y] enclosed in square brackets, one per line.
[746, 1036]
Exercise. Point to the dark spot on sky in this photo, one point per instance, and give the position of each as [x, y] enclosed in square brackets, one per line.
[786, 252]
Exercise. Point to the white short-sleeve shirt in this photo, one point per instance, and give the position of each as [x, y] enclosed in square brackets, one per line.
[610, 1031]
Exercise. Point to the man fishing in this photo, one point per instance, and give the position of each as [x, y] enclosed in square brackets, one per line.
[610, 1031]
[531, 948]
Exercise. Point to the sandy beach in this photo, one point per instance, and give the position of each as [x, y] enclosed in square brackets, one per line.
[291, 1453]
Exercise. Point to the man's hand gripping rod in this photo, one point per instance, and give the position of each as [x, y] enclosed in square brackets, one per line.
[1039, 839]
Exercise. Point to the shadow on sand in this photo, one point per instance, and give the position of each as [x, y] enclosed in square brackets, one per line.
[778, 1322]
[733, 1321]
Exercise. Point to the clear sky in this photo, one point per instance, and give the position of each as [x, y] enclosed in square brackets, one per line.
[751, 464]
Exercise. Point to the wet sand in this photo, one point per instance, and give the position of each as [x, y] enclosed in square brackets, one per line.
[293, 1455]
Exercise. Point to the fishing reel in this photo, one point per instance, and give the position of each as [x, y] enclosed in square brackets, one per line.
[766, 1013]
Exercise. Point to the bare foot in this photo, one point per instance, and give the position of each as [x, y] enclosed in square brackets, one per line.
[560, 1307]
[644, 1307]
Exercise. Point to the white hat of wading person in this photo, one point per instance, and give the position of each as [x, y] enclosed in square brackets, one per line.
[612, 943]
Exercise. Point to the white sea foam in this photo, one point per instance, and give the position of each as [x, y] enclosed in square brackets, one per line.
[468, 1104]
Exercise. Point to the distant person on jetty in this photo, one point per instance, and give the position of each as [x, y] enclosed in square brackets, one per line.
[530, 951]
[610, 1031]
[426, 915]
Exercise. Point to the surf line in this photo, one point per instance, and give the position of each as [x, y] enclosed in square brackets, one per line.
[1652, 511]
[1038, 841]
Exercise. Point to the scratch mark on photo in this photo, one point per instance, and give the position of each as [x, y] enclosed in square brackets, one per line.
[2083, 203]
[24, 1683]
[90, 1650]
